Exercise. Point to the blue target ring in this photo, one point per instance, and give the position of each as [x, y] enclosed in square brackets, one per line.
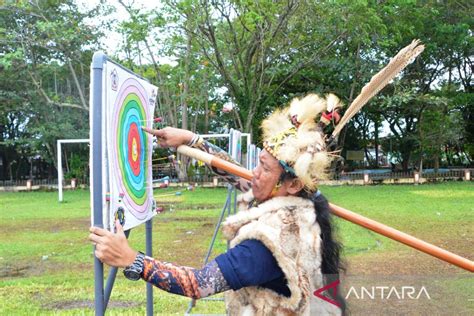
[132, 116]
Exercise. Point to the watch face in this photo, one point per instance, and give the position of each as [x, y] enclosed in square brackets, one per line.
[131, 274]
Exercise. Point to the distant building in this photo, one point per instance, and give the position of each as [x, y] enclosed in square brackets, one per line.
[367, 157]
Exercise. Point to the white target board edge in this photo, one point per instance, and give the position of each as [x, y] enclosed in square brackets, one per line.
[128, 103]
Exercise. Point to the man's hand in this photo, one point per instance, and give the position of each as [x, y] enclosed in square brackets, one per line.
[112, 249]
[170, 136]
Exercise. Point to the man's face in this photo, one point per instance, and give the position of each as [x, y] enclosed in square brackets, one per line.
[265, 176]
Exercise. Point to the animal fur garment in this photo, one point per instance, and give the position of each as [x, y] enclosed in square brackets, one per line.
[287, 227]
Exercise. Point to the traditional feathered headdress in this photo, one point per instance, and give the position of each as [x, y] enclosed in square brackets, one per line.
[295, 135]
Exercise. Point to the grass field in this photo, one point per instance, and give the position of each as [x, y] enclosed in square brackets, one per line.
[46, 261]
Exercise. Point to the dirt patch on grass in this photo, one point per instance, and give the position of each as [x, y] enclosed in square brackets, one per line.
[87, 304]
[179, 205]
[188, 245]
[46, 225]
[193, 219]
[24, 269]
[17, 271]
[409, 261]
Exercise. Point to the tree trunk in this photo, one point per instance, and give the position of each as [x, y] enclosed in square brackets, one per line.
[66, 161]
[376, 140]
[367, 157]
[185, 92]
[250, 116]
[18, 169]
[184, 101]
[421, 168]
[405, 160]
[180, 170]
[206, 103]
[10, 170]
[436, 162]
[166, 101]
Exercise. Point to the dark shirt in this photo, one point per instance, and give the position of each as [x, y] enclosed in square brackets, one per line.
[251, 263]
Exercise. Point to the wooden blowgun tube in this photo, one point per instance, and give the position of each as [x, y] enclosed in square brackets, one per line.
[355, 218]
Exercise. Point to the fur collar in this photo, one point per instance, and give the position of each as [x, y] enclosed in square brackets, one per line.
[233, 223]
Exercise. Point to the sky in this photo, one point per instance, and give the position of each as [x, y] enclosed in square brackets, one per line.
[113, 39]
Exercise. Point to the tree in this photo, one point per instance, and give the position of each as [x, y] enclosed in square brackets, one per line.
[444, 28]
[250, 45]
[410, 103]
[45, 53]
[42, 34]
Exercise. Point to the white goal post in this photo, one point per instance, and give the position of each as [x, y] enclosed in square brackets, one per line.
[75, 141]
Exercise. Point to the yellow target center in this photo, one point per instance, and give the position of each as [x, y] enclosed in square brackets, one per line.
[134, 149]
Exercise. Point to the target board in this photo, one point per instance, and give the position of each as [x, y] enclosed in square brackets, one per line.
[253, 152]
[129, 104]
[235, 145]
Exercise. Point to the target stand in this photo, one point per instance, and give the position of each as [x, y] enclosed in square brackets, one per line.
[121, 103]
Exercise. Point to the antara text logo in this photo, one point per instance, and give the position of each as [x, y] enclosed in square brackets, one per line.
[388, 292]
[379, 292]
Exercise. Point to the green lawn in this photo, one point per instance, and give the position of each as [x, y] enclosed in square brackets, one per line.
[46, 261]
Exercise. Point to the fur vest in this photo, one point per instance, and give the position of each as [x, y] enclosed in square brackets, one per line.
[287, 227]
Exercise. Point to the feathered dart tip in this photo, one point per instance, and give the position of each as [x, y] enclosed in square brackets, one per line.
[380, 80]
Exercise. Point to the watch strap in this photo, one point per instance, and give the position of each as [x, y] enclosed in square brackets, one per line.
[134, 271]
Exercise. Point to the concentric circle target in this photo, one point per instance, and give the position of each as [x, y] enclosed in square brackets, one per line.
[131, 152]
[131, 146]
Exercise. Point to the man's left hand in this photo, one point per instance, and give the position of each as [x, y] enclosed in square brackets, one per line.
[112, 249]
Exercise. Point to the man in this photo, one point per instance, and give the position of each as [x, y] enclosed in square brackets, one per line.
[282, 248]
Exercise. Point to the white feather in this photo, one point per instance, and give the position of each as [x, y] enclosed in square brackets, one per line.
[307, 108]
[332, 102]
[276, 123]
[320, 164]
[301, 167]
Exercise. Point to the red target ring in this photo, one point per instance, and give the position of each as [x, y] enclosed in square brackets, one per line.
[134, 147]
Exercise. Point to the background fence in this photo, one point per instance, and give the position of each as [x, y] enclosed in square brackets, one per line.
[204, 176]
[380, 174]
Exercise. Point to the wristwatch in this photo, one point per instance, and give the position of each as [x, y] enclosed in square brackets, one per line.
[134, 271]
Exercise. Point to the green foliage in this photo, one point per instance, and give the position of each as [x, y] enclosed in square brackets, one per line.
[79, 167]
[45, 51]
[255, 54]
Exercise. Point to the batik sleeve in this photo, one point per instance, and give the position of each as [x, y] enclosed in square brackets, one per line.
[185, 281]
[241, 184]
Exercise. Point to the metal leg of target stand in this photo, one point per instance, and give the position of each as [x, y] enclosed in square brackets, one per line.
[230, 190]
[149, 287]
[113, 274]
[109, 286]
[111, 280]
[99, 287]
